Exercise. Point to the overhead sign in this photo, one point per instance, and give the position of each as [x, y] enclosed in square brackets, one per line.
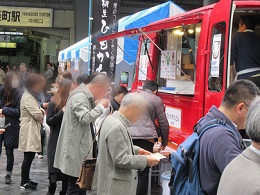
[174, 117]
[25, 16]
[7, 45]
[13, 38]
[4, 38]
[105, 21]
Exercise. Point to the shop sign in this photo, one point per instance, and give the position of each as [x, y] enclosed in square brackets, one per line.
[105, 21]
[25, 16]
[174, 116]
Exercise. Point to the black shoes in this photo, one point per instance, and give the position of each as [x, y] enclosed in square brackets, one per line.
[8, 179]
[29, 185]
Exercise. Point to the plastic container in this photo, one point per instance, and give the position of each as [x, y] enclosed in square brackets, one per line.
[165, 178]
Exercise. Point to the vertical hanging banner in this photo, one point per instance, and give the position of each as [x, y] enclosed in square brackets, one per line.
[105, 21]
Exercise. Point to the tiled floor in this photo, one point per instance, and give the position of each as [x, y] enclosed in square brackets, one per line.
[38, 174]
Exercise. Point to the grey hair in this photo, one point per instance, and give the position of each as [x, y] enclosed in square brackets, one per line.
[100, 79]
[253, 121]
[23, 64]
[133, 99]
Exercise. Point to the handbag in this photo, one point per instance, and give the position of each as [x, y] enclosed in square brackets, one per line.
[87, 171]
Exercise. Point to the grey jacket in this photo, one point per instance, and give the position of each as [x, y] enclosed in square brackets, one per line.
[117, 160]
[145, 127]
[75, 138]
[242, 175]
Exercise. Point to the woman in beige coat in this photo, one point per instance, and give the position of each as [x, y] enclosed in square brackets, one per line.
[30, 131]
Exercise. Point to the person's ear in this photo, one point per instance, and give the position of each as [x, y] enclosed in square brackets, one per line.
[240, 107]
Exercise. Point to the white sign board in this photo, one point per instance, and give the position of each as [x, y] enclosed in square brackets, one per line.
[25, 16]
[143, 65]
[174, 117]
[168, 64]
[215, 59]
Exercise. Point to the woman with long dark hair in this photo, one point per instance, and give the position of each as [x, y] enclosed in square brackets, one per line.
[10, 97]
[54, 119]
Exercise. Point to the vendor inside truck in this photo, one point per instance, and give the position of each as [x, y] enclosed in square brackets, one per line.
[245, 58]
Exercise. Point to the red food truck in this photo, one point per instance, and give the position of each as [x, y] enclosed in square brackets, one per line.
[188, 55]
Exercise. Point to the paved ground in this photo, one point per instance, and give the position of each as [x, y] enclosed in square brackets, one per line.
[38, 174]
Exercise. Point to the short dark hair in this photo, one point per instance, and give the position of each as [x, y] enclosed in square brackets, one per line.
[150, 85]
[120, 90]
[249, 21]
[238, 92]
[32, 80]
[83, 78]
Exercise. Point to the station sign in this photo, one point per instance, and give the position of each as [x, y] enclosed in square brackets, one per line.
[13, 38]
[25, 16]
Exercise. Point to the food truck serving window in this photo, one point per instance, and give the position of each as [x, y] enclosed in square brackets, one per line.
[177, 61]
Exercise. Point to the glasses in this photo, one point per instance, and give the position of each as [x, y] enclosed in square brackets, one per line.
[246, 104]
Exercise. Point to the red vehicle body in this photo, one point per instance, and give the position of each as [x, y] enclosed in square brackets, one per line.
[217, 19]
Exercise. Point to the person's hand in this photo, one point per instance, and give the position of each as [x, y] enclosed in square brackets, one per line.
[43, 111]
[97, 101]
[141, 151]
[152, 160]
[2, 131]
[63, 109]
[105, 102]
[163, 147]
[45, 105]
[2, 115]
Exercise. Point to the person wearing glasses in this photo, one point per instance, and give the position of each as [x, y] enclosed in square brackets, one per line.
[220, 144]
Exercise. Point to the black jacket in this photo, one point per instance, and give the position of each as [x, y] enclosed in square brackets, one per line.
[12, 116]
[114, 104]
[54, 119]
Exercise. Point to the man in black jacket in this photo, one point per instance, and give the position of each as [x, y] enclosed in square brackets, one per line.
[145, 132]
[118, 95]
[245, 58]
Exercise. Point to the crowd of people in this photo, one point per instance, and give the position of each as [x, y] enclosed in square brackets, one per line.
[75, 112]
[126, 125]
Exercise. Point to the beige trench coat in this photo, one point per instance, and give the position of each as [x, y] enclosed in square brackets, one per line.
[31, 119]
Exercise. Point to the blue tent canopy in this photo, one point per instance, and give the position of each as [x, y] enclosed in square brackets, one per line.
[75, 51]
[141, 19]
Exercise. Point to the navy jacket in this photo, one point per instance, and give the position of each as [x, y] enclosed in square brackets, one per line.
[12, 116]
[218, 147]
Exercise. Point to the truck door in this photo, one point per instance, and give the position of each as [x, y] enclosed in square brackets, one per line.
[217, 58]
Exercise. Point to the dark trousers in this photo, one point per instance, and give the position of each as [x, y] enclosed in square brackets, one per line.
[10, 160]
[143, 176]
[1, 143]
[26, 166]
[73, 188]
[53, 186]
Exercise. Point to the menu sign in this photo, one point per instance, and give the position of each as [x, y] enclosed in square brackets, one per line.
[25, 16]
[105, 19]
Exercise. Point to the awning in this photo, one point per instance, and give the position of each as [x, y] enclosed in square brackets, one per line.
[78, 50]
[138, 20]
